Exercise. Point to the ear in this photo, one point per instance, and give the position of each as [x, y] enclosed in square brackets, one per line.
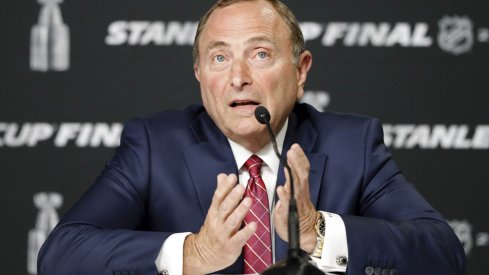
[304, 63]
[196, 71]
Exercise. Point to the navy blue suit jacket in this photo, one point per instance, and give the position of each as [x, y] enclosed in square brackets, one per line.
[163, 176]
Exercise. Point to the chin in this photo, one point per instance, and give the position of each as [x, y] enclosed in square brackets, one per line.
[246, 129]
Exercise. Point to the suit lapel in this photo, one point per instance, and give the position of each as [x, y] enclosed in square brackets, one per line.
[206, 159]
[301, 131]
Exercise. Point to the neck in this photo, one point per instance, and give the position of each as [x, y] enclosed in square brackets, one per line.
[254, 143]
[257, 141]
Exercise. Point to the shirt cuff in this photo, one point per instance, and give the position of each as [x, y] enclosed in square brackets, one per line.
[170, 258]
[334, 257]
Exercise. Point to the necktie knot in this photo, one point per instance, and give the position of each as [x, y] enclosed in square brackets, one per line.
[253, 165]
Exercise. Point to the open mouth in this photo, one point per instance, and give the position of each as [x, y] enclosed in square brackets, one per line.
[239, 103]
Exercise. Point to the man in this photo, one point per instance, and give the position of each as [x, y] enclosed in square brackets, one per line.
[157, 207]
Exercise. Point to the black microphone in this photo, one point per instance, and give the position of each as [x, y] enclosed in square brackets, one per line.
[294, 264]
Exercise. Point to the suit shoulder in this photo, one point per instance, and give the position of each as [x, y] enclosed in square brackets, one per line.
[169, 118]
[338, 121]
[342, 132]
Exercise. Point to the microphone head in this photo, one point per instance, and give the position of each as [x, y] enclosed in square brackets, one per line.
[262, 114]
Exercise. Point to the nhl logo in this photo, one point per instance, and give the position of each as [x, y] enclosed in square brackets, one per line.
[456, 35]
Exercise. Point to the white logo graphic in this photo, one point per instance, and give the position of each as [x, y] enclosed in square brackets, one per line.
[369, 34]
[483, 35]
[463, 229]
[46, 220]
[318, 99]
[145, 33]
[50, 39]
[439, 136]
[456, 35]
[63, 134]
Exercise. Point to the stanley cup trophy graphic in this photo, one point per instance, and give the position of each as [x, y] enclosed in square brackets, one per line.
[47, 218]
[50, 39]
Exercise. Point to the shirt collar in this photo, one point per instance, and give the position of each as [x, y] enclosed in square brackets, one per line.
[241, 154]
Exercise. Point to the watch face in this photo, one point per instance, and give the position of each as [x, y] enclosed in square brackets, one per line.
[321, 226]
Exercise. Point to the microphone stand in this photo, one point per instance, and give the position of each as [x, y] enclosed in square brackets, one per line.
[295, 264]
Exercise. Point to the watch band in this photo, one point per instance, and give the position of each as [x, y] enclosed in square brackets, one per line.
[320, 232]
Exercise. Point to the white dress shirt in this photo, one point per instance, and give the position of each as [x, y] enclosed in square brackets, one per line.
[170, 258]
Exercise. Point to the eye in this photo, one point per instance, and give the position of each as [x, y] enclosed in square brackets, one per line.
[262, 55]
[219, 58]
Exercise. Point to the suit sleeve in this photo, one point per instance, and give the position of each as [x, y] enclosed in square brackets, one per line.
[102, 233]
[397, 230]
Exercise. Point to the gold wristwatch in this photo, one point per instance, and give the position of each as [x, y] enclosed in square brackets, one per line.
[320, 232]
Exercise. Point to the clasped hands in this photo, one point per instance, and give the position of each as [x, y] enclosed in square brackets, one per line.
[221, 239]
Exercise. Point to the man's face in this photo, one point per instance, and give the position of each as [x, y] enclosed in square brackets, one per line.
[245, 60]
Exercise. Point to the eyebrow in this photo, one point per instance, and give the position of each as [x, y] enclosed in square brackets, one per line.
[219, 44]
[261, 39]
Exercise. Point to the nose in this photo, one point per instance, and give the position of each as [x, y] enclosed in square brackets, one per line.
[240, 74]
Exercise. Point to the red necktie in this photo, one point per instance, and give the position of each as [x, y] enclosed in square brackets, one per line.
[258, 249]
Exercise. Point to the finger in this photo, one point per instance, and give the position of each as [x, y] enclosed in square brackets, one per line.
[300, 168]
[235, 219]
[231, 201]
[287, 180]
[225, 184]
[298, 159]
[280, 214]
[283, 195]
[283, 201]
[297, 149]
[239, 239]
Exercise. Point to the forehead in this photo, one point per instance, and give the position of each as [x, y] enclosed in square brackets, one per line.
[244, 21]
